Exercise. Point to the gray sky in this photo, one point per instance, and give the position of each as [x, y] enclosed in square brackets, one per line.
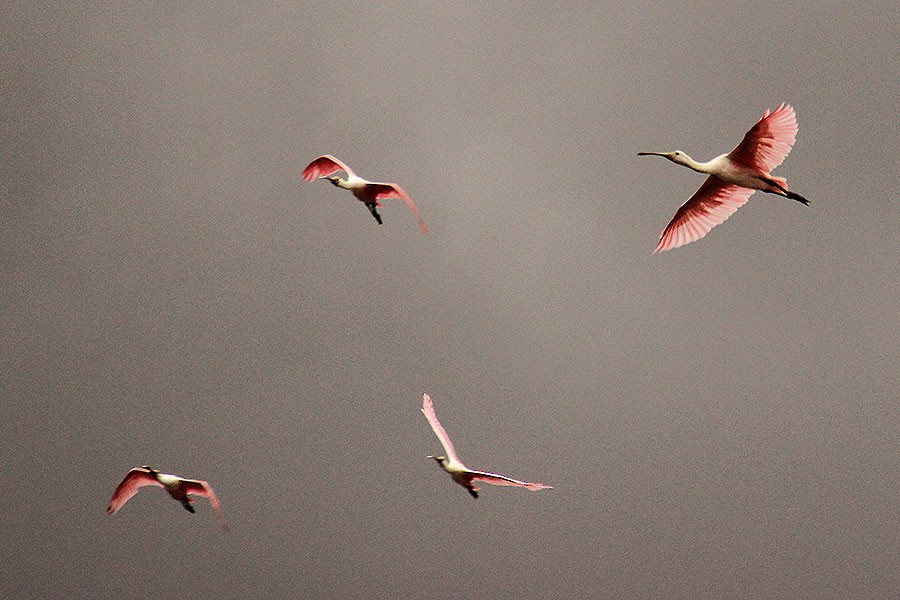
[719, 421]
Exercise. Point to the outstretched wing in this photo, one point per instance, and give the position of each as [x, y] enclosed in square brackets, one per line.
[428, 411]
[714, 202]
[392, 190]
[497, 479]
[201, 488]
[768, 142]
[129, 486]
[324, 166]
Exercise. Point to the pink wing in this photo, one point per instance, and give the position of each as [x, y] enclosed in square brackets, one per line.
[497, 479]
[201, 488]
[324, 166]
[428, 411]
[768, 142]
[710, 205]
[392, 190]
[129, 486]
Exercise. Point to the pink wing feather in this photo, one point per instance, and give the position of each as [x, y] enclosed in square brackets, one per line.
[201, 488]
[497, 479]
[710, 205]
[392, 190]
[768, 142]
[128, 487]
[428, 411]
[324, 166]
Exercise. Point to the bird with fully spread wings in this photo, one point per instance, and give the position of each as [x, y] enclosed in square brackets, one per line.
[733, 177]
[369, 193]
[460, 473]
[179, 488]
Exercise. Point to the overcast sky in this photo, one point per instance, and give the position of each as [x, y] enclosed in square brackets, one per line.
[719, 421]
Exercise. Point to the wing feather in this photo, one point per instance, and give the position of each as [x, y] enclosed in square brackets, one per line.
[324, 166]
[768, 142]
[201, 488]
[439, 431]
[710, 205]
[497, 479]
[392, 190]
[128, 487]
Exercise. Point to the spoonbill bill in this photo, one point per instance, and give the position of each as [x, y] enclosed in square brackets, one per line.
[179, 488]
[460, 473]
[733, 177]
[367, 192]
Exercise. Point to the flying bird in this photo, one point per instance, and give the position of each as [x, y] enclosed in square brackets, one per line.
[368, 192]
[179, 488]
[460, 473]
[733, 177]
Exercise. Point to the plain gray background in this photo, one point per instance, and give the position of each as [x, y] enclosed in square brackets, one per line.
[719, 421]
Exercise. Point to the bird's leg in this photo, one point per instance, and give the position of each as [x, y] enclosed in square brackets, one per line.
[797, 197]
[186, 503]
[473, 491]
[373, 208]
[790, 195]
[782, 191]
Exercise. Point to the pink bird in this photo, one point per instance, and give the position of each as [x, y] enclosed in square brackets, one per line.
[732, 178]
[460, 473]
[367, 192]
[179, 488]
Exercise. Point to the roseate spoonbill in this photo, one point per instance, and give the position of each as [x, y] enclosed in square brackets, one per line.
[367, 192]
[733, 177]
[460, 473]
[179, 488]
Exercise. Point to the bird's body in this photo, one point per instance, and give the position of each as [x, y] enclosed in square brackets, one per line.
[179, 488]
[733, 177]
[460, 473]
[369, 193]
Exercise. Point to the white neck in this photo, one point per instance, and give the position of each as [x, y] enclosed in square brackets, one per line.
[700, 167]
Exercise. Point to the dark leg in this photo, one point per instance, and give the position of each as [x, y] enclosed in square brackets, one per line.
[187, 505]
[798, 198]
[374, 210]
[473, 492]
[783, 192]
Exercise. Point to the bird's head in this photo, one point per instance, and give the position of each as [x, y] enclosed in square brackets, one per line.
[335, 180]
[441, 460]
[676, 156]
[153, 471]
